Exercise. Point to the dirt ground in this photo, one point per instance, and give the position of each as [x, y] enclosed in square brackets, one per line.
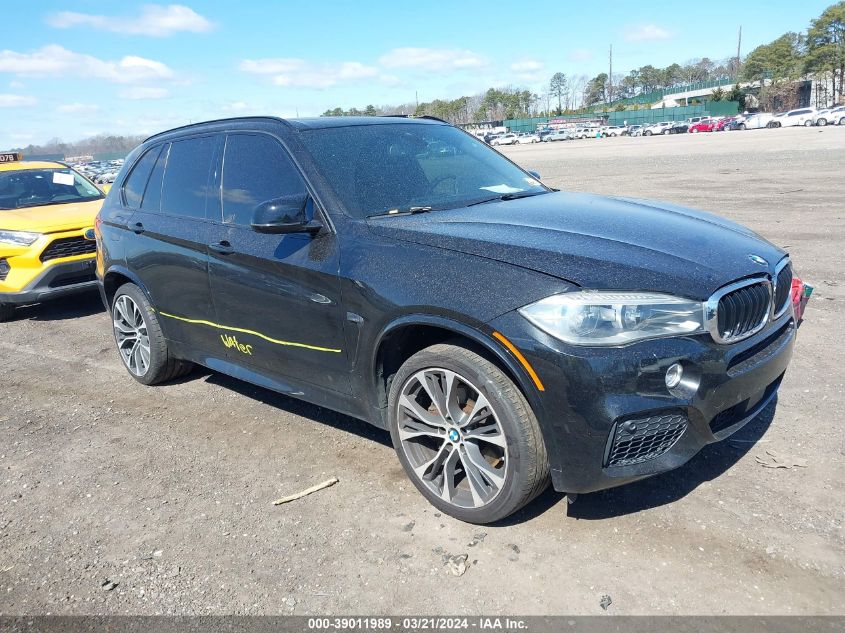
[118, 498]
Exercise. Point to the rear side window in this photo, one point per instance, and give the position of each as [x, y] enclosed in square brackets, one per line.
[152, 194]
[186, 179]
[256, 168]
[133, 189]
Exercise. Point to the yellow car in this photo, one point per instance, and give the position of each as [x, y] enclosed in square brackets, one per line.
[47, 246]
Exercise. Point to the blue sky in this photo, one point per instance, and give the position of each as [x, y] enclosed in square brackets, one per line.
[71, 69]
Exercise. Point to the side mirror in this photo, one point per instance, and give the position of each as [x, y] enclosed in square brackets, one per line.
[287, 214]
[536, 174]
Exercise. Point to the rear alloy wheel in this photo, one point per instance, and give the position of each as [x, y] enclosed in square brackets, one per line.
[808, 123]
[742, 126]
[695, 130]
[465, 434]
[6, 311]
[821, 122]
[140, 342]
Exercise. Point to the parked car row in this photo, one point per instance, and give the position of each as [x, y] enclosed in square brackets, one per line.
[748, 121]
[100, 172]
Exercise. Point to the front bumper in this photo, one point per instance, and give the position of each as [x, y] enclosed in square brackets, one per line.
[57, 280]
[590, 393]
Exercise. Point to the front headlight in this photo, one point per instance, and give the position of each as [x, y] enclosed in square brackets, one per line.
[614, 318]
[18, 238]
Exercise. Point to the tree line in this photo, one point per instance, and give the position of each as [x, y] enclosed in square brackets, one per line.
[100, 144]
[817, 52]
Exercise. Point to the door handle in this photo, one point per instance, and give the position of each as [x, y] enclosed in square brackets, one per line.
[138, 228]
[223, 247]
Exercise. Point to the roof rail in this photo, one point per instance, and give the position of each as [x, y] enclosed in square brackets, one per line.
[201, 123]
[414, 116]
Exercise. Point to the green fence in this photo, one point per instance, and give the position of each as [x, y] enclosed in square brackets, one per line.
[59, 157]
[630, 117]
[109, 155]
[657, 95]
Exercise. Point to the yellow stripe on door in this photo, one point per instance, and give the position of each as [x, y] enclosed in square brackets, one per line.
[245, 331]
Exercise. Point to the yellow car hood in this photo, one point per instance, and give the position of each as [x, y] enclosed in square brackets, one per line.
[51, 218]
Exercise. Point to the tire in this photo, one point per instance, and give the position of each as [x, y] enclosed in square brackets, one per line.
[664, 132]
[694, 131]
[742, 126]
[647, 133]
[7, 311]
[821, 122]
[502, 489]
[808, 123]
[133, 321]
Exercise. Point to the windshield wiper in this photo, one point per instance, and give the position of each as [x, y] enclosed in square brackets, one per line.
[408, 211]
[508, 196]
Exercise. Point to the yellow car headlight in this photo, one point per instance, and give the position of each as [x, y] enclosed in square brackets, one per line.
[18, 238]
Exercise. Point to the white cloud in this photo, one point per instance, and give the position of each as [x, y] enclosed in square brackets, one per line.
[295, 72]
[527, 66]
[236, 106]
[528, 70]
[646, 33]
[55, 61]
[435, 59]
[139, 93]
[16, 101]
[77, 108]
[155, 20]
[581, 55]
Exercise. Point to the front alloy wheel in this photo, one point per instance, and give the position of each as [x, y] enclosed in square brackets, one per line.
[465, 434]
[452, 438]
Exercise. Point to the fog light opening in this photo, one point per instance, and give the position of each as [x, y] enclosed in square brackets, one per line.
[674, 375]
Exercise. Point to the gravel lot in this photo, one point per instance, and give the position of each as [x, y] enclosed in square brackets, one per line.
[118, 498]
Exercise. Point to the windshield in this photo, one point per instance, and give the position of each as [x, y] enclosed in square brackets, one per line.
[406, 167]
[39, 187]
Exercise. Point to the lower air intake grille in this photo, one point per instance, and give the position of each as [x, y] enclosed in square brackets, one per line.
[4, 269]
[636, 441]
[68, 247]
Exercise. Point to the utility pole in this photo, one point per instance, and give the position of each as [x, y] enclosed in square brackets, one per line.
[610, 77]
[738, 51]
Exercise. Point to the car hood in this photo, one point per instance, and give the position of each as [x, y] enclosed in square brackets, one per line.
[51, 218]
[597, 242]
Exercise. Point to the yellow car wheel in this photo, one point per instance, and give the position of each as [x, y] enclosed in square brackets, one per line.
[6, 311]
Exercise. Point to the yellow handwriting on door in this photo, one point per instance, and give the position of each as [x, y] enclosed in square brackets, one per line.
[231, 341]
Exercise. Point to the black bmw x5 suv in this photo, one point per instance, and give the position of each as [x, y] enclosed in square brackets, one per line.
[405, 273]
